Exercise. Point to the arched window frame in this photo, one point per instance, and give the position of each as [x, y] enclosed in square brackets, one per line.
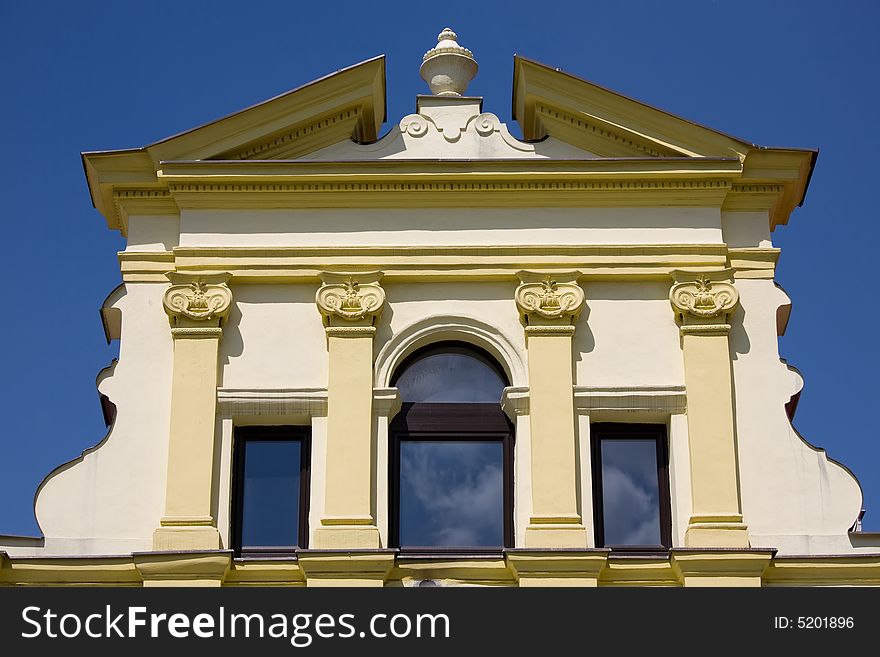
[451, 422]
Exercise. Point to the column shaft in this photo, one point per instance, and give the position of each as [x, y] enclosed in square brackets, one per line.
[349, 304]
[549, 306]
[703, 302]
[195, 306]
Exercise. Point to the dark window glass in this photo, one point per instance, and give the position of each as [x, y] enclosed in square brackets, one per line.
[451, 456]
[630, 492]
[271, 488]
[451, 494]
[450, 375]
[631, 485]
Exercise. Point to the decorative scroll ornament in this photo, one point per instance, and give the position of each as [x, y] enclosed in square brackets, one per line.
[199, 298]
[350, 299]
[703, 298]
[549, 299]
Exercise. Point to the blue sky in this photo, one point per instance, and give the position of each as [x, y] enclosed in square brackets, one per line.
[104, 75]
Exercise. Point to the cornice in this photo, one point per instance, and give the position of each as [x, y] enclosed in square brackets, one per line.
[753, 262]
[449, 183]
[614, 168]
[437, 262]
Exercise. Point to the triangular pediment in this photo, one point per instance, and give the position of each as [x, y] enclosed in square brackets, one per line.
[548, 101]
[347, 104]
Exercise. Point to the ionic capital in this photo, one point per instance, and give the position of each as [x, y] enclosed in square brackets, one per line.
[197, 299]
[552, 299]
[350, 299]
[703, 301]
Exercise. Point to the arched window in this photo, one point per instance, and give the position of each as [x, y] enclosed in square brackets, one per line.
[451, 452]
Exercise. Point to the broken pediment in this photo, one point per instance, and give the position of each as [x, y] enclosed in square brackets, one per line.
[322, 136]
[548, 101]
[450, 127]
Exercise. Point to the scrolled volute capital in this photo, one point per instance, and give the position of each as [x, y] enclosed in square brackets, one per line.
[549, 298]
[703, 297]
[348, 299]
[197, 298]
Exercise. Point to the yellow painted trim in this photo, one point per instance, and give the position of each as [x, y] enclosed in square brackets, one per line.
[183, 568]
[754, 262]
[485, 571]
[557, 567]
[638, 571]
[59, 571]
[343, 568]
[265, 572]
[441, 262]
[447, 262]
[730, 568]
[145, 266]
[688, 567]
[842, 570]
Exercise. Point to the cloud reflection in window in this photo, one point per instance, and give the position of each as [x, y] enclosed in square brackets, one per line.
[451, 494]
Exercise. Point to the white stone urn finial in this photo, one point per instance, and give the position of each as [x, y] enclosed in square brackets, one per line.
[448, 67]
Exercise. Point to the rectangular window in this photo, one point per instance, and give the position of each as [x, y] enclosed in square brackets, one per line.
[451, 478]
[631, 486]
[271, 489]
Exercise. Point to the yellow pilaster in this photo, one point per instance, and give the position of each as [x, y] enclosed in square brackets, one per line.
[703, 303]
[549, 305]
[196, 306]
[350, 305]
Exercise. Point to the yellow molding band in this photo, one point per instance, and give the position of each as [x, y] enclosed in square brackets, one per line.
[557, 568]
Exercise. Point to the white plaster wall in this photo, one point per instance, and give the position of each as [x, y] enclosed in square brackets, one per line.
[152, 232]
[794, 498]
[274, 338]
[746, 229]
[110, 500]
[441, 227]
[627, 336]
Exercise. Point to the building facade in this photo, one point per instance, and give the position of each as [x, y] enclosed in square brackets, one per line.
[448, 354]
